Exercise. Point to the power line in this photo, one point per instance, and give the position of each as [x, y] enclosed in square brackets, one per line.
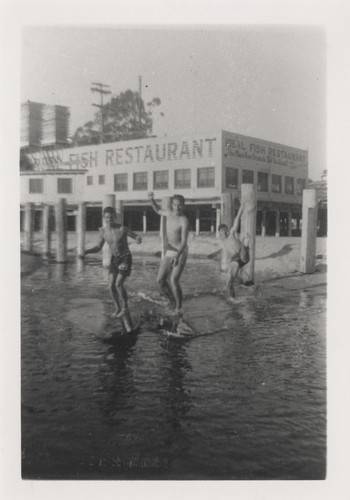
[101, 89]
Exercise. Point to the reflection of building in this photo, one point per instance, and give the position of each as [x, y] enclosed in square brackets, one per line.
[321, 187]
[200, 167]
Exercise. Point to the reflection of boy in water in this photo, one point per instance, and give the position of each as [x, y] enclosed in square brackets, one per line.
[174, 260]
[120, 266]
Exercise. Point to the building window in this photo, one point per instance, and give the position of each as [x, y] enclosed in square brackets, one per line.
[276, 182]
[36, 186]
[289, 185]
[120, 182]
[248, 177]
[206, 177]
[64, 186]
[101, 179]
[301, 183]
[231, 177]
[89, 181]
[140, 181]
[182, 178]
[263, 181]
[161, 179]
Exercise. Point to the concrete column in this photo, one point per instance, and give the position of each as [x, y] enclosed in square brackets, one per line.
[197, 221]
[119, 208]
[218, 219]
[227, 209]
[108, 201]
[28, 227]
[248, 226]
[144, 222]
[289, 223]
[309, 231]
[278, 229]
[263, 223]
[61, 230]
[46, 230]
[81, 228]
[166, 205]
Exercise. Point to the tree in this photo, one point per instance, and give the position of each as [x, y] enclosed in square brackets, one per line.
[124, 117]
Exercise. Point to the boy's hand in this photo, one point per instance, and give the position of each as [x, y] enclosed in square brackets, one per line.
[138, 239]
[151, 195]
[174, 262]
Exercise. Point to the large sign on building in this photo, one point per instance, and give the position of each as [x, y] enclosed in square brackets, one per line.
[140, 152]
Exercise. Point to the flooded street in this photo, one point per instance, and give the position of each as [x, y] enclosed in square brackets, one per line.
[248, 402]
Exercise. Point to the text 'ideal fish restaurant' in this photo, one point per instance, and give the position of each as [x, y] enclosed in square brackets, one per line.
[201, 167]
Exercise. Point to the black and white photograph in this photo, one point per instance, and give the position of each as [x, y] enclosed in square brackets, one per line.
[173, 237]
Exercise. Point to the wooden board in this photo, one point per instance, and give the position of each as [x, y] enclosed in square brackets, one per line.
[91, 315]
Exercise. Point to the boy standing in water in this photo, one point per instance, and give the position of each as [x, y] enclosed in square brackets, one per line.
[116, 236]
[174, 260]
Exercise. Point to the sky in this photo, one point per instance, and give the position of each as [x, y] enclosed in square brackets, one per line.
[267, 82]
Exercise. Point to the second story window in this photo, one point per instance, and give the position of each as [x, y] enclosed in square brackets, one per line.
[248, 177]
[289, 185]
[36, 186]
[161, 179]
[206, 177]
[120, 182]
[231, 177]
[276, 183]
[140, 181]
[301, 183]
[101, 179]
[89, 180]
[64, 186]
[182, 178]
[263, 182]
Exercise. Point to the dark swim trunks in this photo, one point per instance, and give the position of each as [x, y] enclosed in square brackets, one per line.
[121, 264]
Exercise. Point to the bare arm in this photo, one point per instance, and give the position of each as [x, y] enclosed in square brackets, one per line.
[99, 245]
[234, 228]
[155, 205]
[133, 235]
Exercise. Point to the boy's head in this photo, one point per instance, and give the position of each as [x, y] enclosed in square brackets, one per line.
[109, 215]
[177, 204]
[223, 231]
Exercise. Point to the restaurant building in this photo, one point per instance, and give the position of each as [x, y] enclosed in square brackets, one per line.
[201, 167]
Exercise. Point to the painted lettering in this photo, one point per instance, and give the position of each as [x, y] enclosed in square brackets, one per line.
[163, 152]
[138, 148]
[148, 154]
[109, 157]
[185, 150]
[84, 160]
[129, 155]
[119, 156]
[172, 150]
[210, 142]
[197, 148]
[93, 158]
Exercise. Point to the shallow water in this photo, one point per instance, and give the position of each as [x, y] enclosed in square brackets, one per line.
[248, 402]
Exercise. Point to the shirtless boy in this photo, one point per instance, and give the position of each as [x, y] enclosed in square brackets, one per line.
[235, 254]
[116, 236]
[174, 260]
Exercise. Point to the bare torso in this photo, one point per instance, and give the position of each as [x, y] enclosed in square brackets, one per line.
[231, 251]
[116, 238]
[174, 226]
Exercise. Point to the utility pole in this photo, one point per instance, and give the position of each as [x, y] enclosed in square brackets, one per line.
[100, 88]
[140, 99]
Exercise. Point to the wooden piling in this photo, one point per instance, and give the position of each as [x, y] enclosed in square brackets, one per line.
[144, 222]
[289, 223]
[248, 226]
[119, 209]
[46, 229]
[263, 224]
[227, 209]
[61, 230]
[278, 225]
[28, 227]
[81, 229]
[308, 231]
[108, 201]
[197, 221]
[218, 220]
[166, 205]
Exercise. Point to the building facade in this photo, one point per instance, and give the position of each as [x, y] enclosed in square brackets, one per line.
[200, 167]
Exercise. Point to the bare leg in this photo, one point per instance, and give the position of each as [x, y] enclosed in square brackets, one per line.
[175, 281]
[113, 291]
[231, 275]
[123, 298]
[164, 269]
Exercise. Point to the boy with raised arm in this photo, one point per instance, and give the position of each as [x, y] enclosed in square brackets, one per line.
[116, 236]
[235, 252]
[174, 260]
